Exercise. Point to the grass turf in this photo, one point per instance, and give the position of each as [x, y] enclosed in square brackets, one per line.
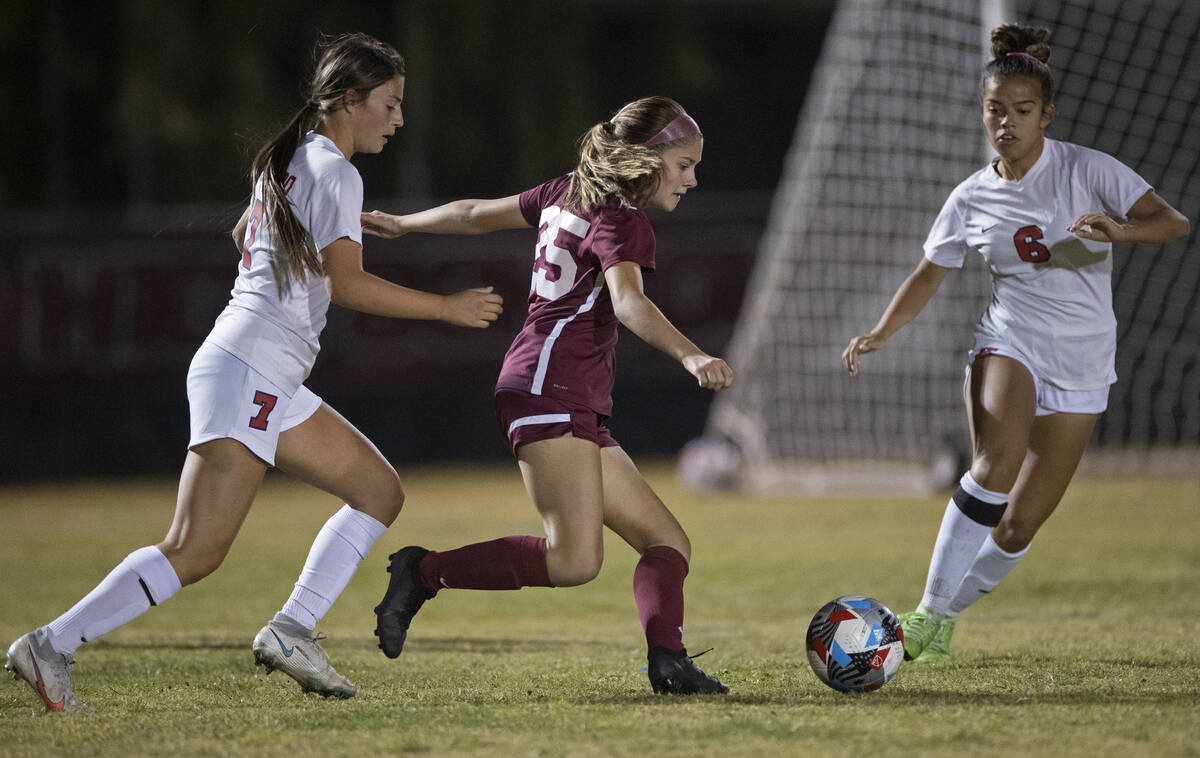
[1088, 648]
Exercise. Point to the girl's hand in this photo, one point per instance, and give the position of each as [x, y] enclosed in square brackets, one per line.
[864, 343]
[1097, 227]
[380, 224]
[711, 373]
[477, 307]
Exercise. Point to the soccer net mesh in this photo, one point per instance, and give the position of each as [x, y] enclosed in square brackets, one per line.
[890, 126]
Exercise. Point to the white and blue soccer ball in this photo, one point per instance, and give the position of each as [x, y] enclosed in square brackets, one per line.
[855, 644]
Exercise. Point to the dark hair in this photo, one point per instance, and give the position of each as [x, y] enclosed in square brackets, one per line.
[351, 63]
[1020, 51]
[613, 159]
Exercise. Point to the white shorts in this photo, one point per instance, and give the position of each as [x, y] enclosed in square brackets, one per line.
[227, 398]
[1050, 399]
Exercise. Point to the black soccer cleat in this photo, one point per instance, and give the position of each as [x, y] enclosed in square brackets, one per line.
[404, 597]
[672, 672]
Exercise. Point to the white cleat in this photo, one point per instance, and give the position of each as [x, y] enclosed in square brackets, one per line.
[287, 646]
[45, 669]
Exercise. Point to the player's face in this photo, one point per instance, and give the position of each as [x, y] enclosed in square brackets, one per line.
[1015, 117]
[678, 174]
[378, 116]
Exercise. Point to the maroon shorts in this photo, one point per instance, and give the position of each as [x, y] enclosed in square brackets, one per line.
[525, 418]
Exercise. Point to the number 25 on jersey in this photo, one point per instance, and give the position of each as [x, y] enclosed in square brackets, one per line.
[554, 267]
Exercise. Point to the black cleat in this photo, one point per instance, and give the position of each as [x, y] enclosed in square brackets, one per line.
[404, 597]
[672, 672]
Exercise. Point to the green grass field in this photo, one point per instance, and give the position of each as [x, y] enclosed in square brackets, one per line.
[1089, 648]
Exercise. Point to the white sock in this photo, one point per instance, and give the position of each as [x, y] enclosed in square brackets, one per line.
[958, 541]
[340, 546]
[991, 565]
[143, 579]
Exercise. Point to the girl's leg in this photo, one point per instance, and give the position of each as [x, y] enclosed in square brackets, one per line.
[1056, 446]
[563, 477]
[1001, 400]
[328, 452]
[216, 488]
[325, 450]
[634, 511]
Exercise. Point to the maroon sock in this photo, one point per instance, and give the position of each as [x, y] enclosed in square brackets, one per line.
[508, 563]
[658, 590]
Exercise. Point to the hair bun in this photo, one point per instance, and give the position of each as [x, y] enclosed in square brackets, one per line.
[1016, 39]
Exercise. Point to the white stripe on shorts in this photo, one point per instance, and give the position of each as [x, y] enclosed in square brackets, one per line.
[545, 418]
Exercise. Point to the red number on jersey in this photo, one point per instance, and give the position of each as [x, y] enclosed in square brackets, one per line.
[267, 404]
[252, 223]
[1028, 247]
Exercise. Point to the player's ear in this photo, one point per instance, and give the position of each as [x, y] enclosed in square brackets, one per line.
[1047, 115]
[350, 99]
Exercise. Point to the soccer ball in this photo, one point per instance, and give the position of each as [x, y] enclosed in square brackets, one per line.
[855, 644]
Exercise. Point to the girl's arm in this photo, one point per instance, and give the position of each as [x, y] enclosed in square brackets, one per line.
[458, 217]
[644, 319]
[1151, 219]
[351, 287]
[909, 300]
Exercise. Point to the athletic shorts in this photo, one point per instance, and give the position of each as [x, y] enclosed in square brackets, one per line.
[525, 418]
[227, 398]
[1050, 399]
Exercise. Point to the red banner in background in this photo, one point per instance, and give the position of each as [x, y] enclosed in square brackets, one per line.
[124, 303]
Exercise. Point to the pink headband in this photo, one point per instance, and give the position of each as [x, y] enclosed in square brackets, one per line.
[681, 126]
[1027, 55]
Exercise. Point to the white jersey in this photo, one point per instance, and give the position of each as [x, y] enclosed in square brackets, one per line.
[1051, 290]
[280, 337]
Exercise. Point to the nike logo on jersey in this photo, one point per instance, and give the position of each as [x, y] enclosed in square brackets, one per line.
[287, 651]
[986, 229]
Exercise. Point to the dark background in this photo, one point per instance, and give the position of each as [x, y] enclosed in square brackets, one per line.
[126, 145]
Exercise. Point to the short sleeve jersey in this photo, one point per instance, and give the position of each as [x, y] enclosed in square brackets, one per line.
[280, 336]
[1051, 290]
[566, 349]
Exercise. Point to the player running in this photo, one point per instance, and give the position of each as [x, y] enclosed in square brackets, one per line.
[554, 394]
[1043, 214]
[301, 248]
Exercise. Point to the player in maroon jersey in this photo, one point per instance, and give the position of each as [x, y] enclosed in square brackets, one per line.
[554, 394]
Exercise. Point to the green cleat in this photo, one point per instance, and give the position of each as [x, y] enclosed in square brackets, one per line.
[920, 627]
[938, 648]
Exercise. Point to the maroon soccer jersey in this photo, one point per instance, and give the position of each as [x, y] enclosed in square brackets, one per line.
[566, 348]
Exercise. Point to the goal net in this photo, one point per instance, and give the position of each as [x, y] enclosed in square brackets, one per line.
[890, 126]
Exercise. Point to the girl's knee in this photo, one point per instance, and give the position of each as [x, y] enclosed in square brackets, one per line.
[682, 545]
[391, 504]
[190, 565]
[997, 473]
[577, 568]
[385, 503]
[1011, 536]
